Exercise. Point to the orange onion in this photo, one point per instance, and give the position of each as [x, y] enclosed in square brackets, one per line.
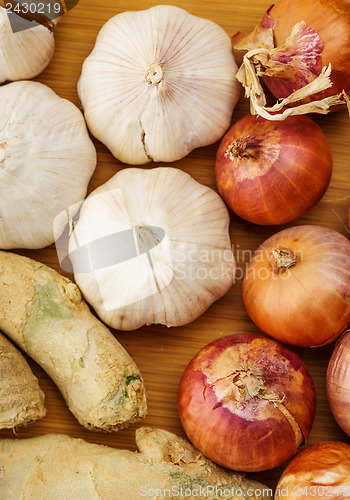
[273, 172]
[297, 39]
[296, 286]
[338, 383]
[320, 471]
[246, 402]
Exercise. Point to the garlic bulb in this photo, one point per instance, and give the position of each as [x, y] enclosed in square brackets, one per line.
[158, 84]
[152, 246]
[46, 162]
[25, 54]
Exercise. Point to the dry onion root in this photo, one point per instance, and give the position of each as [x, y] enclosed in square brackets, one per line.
[301, 52]
[158, 84]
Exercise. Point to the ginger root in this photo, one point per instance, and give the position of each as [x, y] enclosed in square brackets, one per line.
[60, 467]
[44, 313]
[21, 399]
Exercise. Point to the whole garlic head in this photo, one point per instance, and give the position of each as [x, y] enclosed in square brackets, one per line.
[25, 54]
[158, 84]
[152, 246]
[46, 162]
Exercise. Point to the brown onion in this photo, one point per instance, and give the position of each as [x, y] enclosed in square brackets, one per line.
[297, 286]
[246, 402]
[338, 383]
[321, 39]
[321, 470]
[273, 172]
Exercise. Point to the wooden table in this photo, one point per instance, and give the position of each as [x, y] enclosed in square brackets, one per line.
[163, 353]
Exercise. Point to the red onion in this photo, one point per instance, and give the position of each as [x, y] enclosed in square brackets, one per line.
[273, 172]
[246, 402]
[320, 471]
[338, 383]
[297, 286]
[297, 38]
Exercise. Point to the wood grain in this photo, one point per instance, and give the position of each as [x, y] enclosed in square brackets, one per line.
[162, 353]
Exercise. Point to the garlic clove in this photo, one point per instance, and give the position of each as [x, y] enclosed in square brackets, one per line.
[25, 54]
[46, 162]
[158, 84]
[152, 246]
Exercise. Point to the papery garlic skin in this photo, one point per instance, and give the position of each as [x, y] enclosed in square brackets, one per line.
[46, 162]
[152, 246]
[25, 54]
[158, 84]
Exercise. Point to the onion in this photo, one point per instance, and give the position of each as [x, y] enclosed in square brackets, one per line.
[338, 383]
[273, 172]
[294, 42]
[297, 286]
[246, 402]
[321, 470]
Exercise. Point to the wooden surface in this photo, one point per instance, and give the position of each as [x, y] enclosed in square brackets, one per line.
[163, 353]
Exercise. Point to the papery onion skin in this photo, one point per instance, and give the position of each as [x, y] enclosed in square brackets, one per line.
[246, 431]
[331, 20]
[308, 303]
[273, 172]
[321, 470]
[338, 383]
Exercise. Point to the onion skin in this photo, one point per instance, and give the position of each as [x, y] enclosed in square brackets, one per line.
[308, 303]
[273, 172]
[338, 383]
[331, 20]
[246, 402]
[320, 471]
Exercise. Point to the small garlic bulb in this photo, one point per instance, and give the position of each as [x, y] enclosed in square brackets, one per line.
[46, 162]
[25, 54]
[152, 246]
[158, 84]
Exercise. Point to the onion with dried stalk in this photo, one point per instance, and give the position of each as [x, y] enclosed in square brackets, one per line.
[152, 246]
[297, 286]
[247, 402]
[273, 172]
[24, 54]
[46, 162]
[301, 52]
[158, 84]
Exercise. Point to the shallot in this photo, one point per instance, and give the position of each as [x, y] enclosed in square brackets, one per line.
[297, 286]
[246, 402]
[273, 172]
